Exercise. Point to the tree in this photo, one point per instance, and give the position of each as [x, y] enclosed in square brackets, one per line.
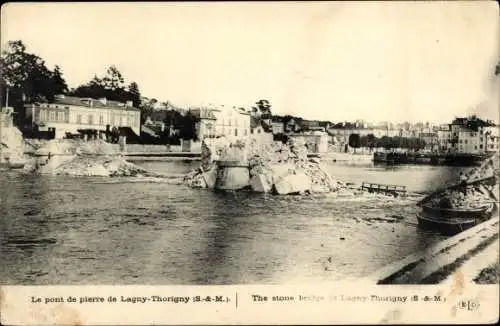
[113, 79]
[111, 86]
[385, 142]
[58, 83]
[27, 77]
[371, 141]
[264, 107]
[134, 94]
[363, 141]
[354, 141]
[187, 130]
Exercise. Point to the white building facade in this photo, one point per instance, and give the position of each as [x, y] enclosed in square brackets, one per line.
[232, 122]
[474, 136]
[69, 114]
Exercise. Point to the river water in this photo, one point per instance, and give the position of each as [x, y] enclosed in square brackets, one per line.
[63, 230]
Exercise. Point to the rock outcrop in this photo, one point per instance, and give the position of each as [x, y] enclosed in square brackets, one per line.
[11, 146]
[262, 167]
[82, 158]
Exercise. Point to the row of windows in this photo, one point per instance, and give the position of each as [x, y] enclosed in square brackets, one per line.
[465, 141]
[236, 122]
[52, 116]
[61, 116]
[475, 147]
[234, 132]
[118, 120]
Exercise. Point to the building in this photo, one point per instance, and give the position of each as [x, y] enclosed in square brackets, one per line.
[69, 114]
[431, 140]
[231, 121]
[206, 122]
[278, 127]
[472, 135]
[260, 130]
[340, 135]
[492, 139]
[316, 142]
[444, 138]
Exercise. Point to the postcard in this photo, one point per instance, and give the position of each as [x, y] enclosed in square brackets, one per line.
[184, 163]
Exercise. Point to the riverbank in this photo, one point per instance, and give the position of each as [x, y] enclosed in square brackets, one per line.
[347, 157]
[469, 255]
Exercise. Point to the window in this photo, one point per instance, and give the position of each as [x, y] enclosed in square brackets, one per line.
[460, 141]
[246, 132]
[465, 141]
[236, 132]
[43, 115]
[101, 119]
[475, 147]
[78, 118]
[229, 122]
[481, 146]
[60, 116]
[472, 134]
[52, 116]
[90, 119]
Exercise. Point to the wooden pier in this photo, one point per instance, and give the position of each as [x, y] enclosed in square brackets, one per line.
[394, 190]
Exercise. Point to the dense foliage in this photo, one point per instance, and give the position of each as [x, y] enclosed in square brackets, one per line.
[24, 77]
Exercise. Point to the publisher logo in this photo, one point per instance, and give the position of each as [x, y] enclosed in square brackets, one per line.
[468, 304]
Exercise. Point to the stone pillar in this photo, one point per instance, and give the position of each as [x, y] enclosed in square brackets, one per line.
[232, 175]
[122, 141]
[186, 145]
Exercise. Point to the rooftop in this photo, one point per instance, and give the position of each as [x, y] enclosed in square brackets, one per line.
[91, 103]
[472, 122]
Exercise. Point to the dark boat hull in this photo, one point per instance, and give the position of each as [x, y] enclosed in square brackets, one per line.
[447, 226]
[471, 213]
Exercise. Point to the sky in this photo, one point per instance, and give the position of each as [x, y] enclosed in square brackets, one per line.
[375, 61]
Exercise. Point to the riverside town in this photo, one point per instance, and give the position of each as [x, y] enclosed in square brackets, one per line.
[100, 184]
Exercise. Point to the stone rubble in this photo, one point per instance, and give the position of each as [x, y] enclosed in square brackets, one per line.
[458, 200]
[273, 167]
[474, 197]
[82, 158]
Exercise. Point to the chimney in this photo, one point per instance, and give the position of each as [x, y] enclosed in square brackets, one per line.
[103, 101]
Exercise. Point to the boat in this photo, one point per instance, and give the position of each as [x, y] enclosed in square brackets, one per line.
[451, 220]
[447, 226]
[453, 212]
